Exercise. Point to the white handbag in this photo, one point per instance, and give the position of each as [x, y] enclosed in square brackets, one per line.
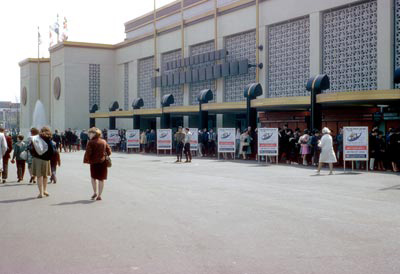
[24, 155]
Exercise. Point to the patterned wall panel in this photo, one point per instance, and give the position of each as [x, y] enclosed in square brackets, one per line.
[288, 58]
[240, 46]
[350, 47]
[94, 85]
[397, 36]
[176, 90]
[195, 88]
[145, 72]
[126, 86]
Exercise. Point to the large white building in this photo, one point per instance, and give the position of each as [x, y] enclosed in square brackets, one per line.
[356, 43]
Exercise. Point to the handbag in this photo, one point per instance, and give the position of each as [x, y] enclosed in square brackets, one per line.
[24, 155]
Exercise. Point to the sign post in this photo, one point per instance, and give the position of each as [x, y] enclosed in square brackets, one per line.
[355, 145]
[164, 140]
[226, 141]
[132, 139]
[268, 142]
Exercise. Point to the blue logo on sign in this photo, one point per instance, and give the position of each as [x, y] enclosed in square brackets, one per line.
[164, 134]
[226, 135]
[353, 137]
[266, 136]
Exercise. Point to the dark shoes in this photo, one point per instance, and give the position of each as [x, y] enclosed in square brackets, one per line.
[94, 197]
[98, 198]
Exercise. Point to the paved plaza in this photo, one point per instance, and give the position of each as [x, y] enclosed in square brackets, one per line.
[207, 217]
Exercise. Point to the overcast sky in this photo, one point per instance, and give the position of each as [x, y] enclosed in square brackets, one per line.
[88, 21]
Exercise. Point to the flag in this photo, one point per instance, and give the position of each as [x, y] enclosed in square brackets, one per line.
[50, 36]
[64, 35]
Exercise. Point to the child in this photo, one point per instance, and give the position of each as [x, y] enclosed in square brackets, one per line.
[54, 161]
[19, 147]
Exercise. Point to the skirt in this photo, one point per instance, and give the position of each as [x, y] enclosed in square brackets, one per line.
[99, 171]
[305, 149]
[40, 168]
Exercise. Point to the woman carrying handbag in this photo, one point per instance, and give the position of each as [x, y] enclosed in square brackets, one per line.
[98, 156]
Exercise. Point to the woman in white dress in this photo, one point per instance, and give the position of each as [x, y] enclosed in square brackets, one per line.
[327, 155]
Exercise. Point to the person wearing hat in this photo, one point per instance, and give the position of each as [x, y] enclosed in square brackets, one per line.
[327, 155]
[180, 140]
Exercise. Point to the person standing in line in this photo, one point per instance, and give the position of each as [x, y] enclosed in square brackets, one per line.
[373, 148]
[327, 155]
[152, 141]
[19, 147]
[143, 141]
[200, 143]
[54, 162]
[179, 139]
[96, 152]
[237, 144]
[339, 143]
[63, 142]
[304, 146]
[7, 155]
[212, 142]
[381, 151]
[42, 150]
[57, 139]
[3, 149]
[315, 150]
[188, 138]
[84, 139]
[205, 142]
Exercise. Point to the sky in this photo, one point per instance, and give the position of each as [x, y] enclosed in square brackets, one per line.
[88, 21]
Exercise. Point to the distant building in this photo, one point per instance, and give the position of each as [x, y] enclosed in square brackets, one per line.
[208, 44]
[9, 114]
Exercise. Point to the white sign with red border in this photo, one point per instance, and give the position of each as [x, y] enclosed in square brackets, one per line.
[112, 137]
[194, 142]
[164, 139]
[132, 138]
[268, 141]
[355, 143]
[226, 140]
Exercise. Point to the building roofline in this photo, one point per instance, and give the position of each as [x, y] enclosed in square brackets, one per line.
[33, 60]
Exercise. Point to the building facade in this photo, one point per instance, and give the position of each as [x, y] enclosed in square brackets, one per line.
[9, 115]
[191, 45]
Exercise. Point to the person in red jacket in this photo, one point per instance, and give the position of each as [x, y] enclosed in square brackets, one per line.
[6, 156]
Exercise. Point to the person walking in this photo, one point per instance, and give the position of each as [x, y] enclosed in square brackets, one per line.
[20, 155]
[84, 139]
[57, 139]
[42, 150]
[188, 138]
[96, 154]
[3, 149]
[7, 155]
[180, 139]
[34, 132]
[327, 155]
[245, 148]
[339, 143]
[54, 162]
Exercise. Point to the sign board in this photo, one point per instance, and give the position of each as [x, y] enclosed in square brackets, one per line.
[164, 139]
[355, 143]
[194, 142]
[112, 137]
[226, 140]
[268, 140]
[132, 138]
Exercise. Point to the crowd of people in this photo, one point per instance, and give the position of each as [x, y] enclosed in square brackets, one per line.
[41, 153]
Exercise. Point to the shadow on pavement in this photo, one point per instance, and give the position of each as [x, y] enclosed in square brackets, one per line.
[17, 184]
[82, 202]
[17, 200]
[397, 187]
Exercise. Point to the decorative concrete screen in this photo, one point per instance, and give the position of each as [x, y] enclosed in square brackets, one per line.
[175, 90]
[397, 36]
[94, 85]
[195, 88]
[350, 47]
[288, 58]
[126, 86]
[145, 72]
[240, 46]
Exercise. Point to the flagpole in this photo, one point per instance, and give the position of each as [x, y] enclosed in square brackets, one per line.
[38, 65]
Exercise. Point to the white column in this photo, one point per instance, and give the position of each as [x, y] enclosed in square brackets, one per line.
[315, 43]
[385, 42]
[220, 120]
[185, 121]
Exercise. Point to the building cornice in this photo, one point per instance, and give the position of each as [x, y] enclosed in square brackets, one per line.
[33, 60]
